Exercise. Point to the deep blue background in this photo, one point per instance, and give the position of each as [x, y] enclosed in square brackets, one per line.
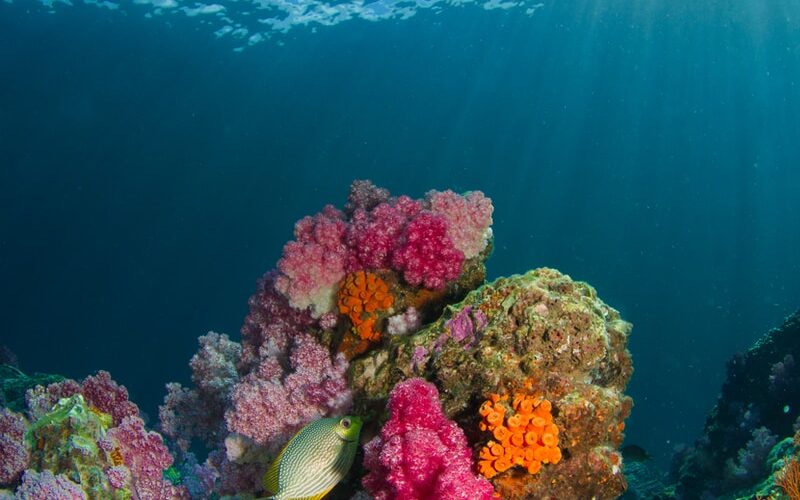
[149, 175]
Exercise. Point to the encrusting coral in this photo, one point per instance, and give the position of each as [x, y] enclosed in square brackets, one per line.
[362, 297]
[527, 438]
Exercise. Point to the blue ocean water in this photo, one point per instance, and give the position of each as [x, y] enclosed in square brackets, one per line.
[150, 172]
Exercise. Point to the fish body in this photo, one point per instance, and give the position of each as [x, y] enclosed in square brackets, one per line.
[634, 453]
[314, 460]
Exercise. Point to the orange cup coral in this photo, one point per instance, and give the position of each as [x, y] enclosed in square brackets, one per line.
[362, 297]
[527, 438]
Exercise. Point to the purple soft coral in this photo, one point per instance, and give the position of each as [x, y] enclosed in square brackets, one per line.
[269, 405]
[145, 454]
[47, 486]
[189, 413]
[100, 391]
[14, 454]
[420, 454]
[270, 322]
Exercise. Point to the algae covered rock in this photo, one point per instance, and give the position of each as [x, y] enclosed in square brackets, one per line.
[540, 332]
[65, 441]
[757, 407]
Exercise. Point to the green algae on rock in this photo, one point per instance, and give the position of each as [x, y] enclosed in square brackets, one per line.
[65, 441]
[542, 328]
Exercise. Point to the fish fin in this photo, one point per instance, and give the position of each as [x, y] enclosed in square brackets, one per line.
[318, 496]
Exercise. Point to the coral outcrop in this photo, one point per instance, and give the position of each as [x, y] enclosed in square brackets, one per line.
[756, 410]
[525, 376]
[539, 332]
[83, 440]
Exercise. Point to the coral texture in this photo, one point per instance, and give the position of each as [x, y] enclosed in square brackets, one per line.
[420, 454]
[197, 413]
[528, 438]
[469, 219]
[540, 326]
[47, 486]
[269, 405]
[100, 392]
[78, 448]
[426, 255]
[314, 262]
[14, 454]
[146, 456]
[362, 297]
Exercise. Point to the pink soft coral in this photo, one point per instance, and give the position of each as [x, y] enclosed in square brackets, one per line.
[100, 391]
[374, 234]
[314, 262]
[420, 454]
[145, 454]
[427, 255]
[469, 219]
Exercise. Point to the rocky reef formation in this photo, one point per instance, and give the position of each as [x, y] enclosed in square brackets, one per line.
[748, 435]
[511, 389]
[540, 332]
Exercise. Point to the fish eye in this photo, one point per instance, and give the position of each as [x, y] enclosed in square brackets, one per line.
[345, 423]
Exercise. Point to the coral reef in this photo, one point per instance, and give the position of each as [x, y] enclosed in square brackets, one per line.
[85, 440]
[756, 407]
[511, 389]
[541, 327]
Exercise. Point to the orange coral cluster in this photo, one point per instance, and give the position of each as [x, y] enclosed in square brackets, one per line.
[528, 438]
[789, 479]
[362, 296]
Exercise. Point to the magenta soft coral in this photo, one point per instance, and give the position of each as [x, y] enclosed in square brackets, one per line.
[426, 255]
[373, 235]
[420, 454]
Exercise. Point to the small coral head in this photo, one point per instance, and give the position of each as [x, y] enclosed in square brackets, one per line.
[526, 437]
[363, 297]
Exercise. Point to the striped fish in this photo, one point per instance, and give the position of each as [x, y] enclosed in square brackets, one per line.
[314, 460]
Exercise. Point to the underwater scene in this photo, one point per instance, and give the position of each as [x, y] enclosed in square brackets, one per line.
[399, 249]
